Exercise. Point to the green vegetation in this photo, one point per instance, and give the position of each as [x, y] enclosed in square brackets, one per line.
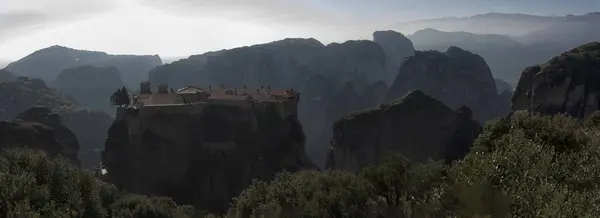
[120, 97]
[523, 166]
[33, 184]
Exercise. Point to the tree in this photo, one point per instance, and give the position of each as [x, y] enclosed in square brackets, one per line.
[120, 98]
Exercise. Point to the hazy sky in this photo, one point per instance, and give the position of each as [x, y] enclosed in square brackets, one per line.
[185, 27]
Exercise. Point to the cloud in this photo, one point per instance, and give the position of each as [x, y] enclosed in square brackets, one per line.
[19, 17]
[305, 13]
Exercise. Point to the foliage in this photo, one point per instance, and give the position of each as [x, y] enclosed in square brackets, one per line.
[120, 97]
[522, 166]
[543, 166]
[33, 184]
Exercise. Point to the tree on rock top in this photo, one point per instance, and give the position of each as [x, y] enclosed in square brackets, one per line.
[120, 98]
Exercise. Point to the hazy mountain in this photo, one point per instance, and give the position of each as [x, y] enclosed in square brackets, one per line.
[506, 56]
[47, 63]
[491, 23]
[90, 86]
[568, 32]
[494, 23]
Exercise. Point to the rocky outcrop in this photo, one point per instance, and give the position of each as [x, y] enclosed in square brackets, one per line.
[455, 77]
[396, 47]
[90, 127]
[404, 127]
[62, 134]
[204, 155]
[19, 133]
[90, 86]
[47, 63]
[568, 83]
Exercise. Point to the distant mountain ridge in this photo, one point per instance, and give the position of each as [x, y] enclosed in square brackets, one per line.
[494, 23]
[47, 63]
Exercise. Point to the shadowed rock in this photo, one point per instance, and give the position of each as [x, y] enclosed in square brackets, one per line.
[569, 83]
[417, 126]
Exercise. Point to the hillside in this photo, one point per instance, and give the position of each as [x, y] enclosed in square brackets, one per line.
[47, 63]
[89, 126]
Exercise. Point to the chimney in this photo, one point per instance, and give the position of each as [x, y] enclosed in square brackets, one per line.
[257, 91]
[222, 86]
[235, 90]
[262, 87]
[269, 88]
[163, 89]
[145, 87]
[245, 87]
[209, 88]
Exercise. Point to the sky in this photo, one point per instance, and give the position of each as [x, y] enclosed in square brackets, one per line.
[178, 28]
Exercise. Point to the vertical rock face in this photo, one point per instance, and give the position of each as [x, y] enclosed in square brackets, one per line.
[65, 137]
[90, 85]
[418, 127]
[202, 156]
[396, 47]
[569, 83]
[456, 77]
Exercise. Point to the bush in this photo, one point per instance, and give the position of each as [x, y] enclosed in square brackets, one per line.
[33, 184]
[522, 166]
[540, 166]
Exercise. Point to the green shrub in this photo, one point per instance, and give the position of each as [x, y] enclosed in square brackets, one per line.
[33, 184]
[543, 166]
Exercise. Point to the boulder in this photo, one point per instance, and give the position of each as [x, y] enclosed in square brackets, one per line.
[568, 83]
[405, 127]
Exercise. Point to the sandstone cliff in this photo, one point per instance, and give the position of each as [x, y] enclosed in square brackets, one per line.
[396, 47]
[418, 127]
[455, 77]
[90, 127]
[90, 86]
[201, 156]
[47, 63]
[566, 84]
